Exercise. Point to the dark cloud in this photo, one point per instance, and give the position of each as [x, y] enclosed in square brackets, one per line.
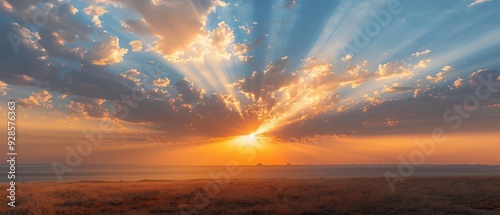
[22, 59]
[88, 107]
[188, 92]
[261, 85]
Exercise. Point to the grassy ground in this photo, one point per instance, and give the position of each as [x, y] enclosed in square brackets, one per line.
[432, 195]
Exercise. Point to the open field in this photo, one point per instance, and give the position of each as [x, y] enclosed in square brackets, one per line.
[419, 195]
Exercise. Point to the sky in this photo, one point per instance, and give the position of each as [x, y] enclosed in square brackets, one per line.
[272, 81]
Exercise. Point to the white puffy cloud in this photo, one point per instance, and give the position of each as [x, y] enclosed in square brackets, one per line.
[347, 58]
[240, 48]
[217, 44]
[440, 75]
[175, 30]
[107, 52]
[222, 38]
[160, 82]
[37, 99]
[3, 88]
[129, 76]
[423, 63]
[392, 69]
[95, 11]
[136, 45]
[458, 83]
[181, 38]
[133, 72]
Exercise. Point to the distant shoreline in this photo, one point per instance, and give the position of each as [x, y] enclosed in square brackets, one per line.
[28, 173]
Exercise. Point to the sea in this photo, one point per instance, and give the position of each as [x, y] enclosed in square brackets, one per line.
[46, 173]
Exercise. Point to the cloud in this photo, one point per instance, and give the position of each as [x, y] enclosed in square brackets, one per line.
[133, 72]
[247, 29]
[88, 107]
[136, 45]
[392, 69]
[261, 85]
[15, 68]
[182, 38]
[62, 27]
[95, 12]
[440, 75]
[158, 93]
[240, 48]
[188, 92]
[477, 2]
[397, 88]
[107, 52]
[160, 82]
[416, 54]
[94, 82]
[3, 88]
[175, 30]
[37, 99]
[222, 38]
[347, 58]
[129, 75]
[246, 58]
[459, 83]
[423, 63]
[216, 44]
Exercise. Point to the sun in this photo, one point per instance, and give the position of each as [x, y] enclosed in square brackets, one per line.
[251, 136]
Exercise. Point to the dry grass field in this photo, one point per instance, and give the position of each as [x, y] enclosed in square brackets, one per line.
[430, 195]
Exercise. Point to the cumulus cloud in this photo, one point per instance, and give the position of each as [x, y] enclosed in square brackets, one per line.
[133, 72]
[222, 38]
[347, 58]
[136, 45]
[216, 44]
[416, 54]
[440, 75]
[176, 32]
[240, 48]
[392, 69]
[130, 75]
[458, 83]
[107, 52]
[158, 93]
[160, 82]
[37, 99]
[95, 11]
[423, 63]
[3, 88]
